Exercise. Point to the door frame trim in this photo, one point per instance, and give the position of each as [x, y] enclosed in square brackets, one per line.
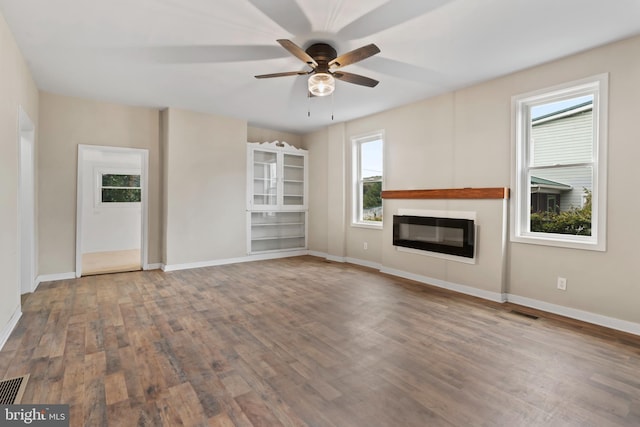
[27, 131]
[144, 184]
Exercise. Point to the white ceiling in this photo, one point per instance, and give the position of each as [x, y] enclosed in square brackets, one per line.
[202, 54]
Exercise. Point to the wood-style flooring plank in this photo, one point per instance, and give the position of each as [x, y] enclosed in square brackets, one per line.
[305, 342]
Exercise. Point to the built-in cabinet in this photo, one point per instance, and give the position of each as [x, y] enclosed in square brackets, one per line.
[276, 197]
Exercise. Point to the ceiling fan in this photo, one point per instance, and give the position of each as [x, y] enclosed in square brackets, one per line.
[325, 65]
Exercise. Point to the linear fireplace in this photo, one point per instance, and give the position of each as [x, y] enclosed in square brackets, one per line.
[443, 235]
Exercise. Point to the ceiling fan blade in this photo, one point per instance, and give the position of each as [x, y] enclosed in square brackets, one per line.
[200, 54]
[406, 71]
[387, 16]
[286, 73]
[355, 79]
[298, 52]
[356, 55]
[286, 13]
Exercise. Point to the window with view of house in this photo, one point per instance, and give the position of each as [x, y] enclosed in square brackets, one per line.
[368, 173]
[560, 165]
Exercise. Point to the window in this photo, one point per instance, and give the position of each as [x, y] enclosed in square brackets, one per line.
[368, 173]
[560, 165]
[116, 188]
[552, 204]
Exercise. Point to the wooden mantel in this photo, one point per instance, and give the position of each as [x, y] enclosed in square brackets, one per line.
[449, 193]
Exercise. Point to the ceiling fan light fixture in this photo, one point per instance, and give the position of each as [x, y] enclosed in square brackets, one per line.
[321, 84]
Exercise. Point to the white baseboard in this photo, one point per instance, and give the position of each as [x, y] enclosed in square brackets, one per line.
[72, 275]
[54, 277]
[572, 313]
[364, 263]
[585, 316]
[317, 254]
[356, 261]
[9, 327]
[328, 257]
[463, 289]
[469, 290]
[248, 258]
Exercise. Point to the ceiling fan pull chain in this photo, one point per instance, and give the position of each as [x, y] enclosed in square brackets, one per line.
[308, 104]
[332, 106]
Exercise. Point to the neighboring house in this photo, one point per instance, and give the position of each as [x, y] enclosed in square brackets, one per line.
[562, 137]
[546, 195]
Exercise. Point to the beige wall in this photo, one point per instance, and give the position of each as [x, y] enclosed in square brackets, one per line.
[337, 218]
[17, 89]
[198, 181]
[66, 122]
[463, 139]
[600, 282]
[424, 148]
[316, 144]
[206, 187]
[190, 155]
[255, 134]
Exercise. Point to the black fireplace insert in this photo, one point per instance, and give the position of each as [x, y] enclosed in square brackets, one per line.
[452, 236]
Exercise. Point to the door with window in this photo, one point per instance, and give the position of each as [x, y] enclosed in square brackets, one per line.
[110, 198]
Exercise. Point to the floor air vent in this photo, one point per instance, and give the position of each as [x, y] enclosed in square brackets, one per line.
[11, 390]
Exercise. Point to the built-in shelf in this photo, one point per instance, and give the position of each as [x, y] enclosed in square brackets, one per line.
[277, 203]
[449, 193]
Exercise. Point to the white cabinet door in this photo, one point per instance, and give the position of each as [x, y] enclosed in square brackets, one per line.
[277, 177]
[293, 181]
[263, 179]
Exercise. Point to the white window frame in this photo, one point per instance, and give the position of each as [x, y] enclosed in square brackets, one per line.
[521, 203]
[98, 203]
[356, 144]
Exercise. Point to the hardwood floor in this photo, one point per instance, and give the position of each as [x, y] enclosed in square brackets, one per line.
[304, 342]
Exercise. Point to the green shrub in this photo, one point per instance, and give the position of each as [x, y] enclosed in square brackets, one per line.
[575, 221]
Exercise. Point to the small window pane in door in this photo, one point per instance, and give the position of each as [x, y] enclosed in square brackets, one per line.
[121, 195]
[120, 188]
[113, 180]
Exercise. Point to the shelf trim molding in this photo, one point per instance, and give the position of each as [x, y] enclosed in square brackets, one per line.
[449, 193]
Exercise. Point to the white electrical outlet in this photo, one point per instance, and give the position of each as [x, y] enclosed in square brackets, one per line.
[562, 283]
[365, 246]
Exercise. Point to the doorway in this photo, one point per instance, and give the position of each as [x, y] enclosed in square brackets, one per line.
[26, 195]
[112, 210]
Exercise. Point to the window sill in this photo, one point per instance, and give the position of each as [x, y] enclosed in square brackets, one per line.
[367, 225]
[107, 205]
[559, 242]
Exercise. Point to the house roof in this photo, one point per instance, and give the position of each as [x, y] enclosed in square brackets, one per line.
[563, 113]
[541, 183]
